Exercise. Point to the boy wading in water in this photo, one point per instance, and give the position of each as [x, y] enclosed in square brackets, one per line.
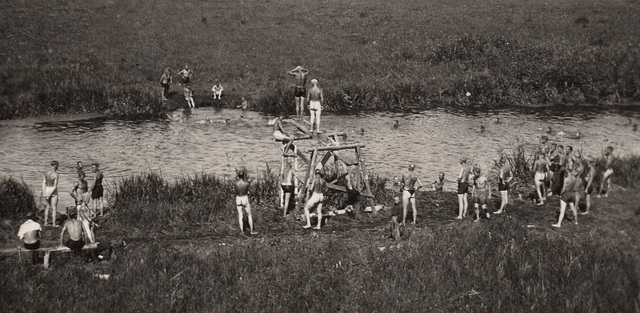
[481, 191]
[299, 91]
[50, 193]
[608, 172]
[463, 188]
[316, 98]
[409, 194]
[242, 200]
[317, 186]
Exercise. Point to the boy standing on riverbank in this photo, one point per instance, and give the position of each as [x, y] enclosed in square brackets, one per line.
[608, 172]
[463, 188]
[317, 187]
[396, 210]
[299, 91]
[567, 195]
[504, 178]
[541, 167]
[480, 193]
[242, 200]
[409, 188]
[97, 191]
[50, 193]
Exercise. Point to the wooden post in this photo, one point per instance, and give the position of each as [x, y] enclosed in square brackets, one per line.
[372, 202]
[303, 193]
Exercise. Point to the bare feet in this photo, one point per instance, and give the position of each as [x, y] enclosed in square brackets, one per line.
[498, 212]
[458, 217]
[541, 203]
[488, 215]
[556, 225]
[254, 232]
[584, 213]
[306, 226]
[317, 228]
[476, 220]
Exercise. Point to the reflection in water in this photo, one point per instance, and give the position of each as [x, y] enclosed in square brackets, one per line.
[217, 140]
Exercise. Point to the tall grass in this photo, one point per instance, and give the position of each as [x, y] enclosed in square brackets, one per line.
[16, 198]
[500, 267]
[81, 57]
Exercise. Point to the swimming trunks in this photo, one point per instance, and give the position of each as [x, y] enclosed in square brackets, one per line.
[408, 194]
[609, 171]
[316, 198]
[242, 200]
[540, 176]
[278, 135]
[396, 210]
[463, 188]
[97, 192]
[32, 246]
[50, 192]
[568, 196]
[314, 105]
[481, 196]
[299, 91]
[503, 185]
[288, 187]
[74, 245]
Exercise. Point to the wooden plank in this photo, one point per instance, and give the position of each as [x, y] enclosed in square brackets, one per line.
[344, 189]
[303, 192]
[372, 202]
[299, 126]
[334, 148]
[50, 249]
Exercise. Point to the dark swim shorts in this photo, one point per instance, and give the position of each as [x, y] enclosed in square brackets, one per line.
[74, 245]
[463, 188]
[288, 188]
[32, 246]
[299, 91]
[503, 186]
[97, 192]
[568, 196]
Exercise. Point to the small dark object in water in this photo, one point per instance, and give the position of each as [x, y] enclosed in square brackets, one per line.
[362, 130]
[635, 127]
[481, 128]
[396, 125]
[203, 20]
[549, 130]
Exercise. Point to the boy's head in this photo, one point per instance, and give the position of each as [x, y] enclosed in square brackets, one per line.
[412, 167]
[476, 171]
[441, 175]
[55, 164]
[396, 199]
[463, 160]
[609, 149]
[242, 173]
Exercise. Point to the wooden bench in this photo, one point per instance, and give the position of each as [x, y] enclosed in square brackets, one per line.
[47, 251]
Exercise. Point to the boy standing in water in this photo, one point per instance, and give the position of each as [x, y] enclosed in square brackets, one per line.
[242, 200]
[409, 188]
[50, 192]
[481, 193]
[463, 188]
[608, 172]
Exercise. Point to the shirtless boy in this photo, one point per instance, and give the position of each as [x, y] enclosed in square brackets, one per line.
[50, 193]
[541, 167]
[242, 200]
[396, 211]
[590, 187]
[186, 75]
[438, 185]
[80, 188]
[287, 186]
[504, 178]
[317, 187]
[463, 188]
[316, 98]
[608, 171]
[577, 169]
[73, 227]
[165, 82]
[567, 195]
[97, 191]
[29, 233]
[217, 90]
[410, 183]
[481, 193]
[300, 74]
[278, 130]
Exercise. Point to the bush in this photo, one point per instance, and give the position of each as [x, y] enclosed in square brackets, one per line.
[16, 199]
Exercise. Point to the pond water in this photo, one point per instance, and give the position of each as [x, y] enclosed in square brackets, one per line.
[215, 141]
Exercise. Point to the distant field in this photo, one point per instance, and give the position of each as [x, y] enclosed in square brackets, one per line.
[59, 56]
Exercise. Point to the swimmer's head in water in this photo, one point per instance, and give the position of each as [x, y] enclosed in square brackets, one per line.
[79, 163]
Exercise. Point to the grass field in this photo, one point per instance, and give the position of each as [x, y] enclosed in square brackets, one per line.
[178, 248]
[107, 56]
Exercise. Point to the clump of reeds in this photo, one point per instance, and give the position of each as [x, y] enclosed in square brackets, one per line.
[16, 199]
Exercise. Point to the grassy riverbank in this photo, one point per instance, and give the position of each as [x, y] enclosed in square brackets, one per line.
[107, 56]
[513, 262]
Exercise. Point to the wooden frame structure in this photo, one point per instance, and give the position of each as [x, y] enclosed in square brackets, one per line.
[347, 157]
